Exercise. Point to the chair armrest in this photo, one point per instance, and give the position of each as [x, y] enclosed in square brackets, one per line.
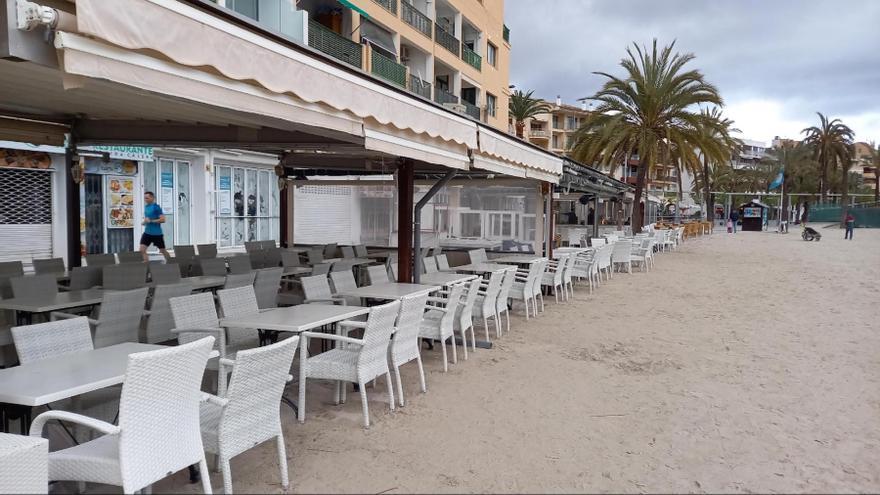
[330, 300]
[352, 324]
[329, 336]
[227, 362]
[95, 424]
[213, 399]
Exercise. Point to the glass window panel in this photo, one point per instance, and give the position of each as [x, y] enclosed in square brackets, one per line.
[166, 200]
[471, 225]
[183, 203]
[149, 169]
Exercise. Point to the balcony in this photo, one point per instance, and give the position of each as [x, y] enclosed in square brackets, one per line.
[506, 34]
[471, 109]
[442, 96]
[538, 133]
[389, 5]
[419, 87]
[416, 19]
[387, 68]
[339, 47]
[471, 57]
[447, 40]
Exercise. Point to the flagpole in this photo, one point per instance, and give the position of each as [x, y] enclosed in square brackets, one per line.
[781, 202]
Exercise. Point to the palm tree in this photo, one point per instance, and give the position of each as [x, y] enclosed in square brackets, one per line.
[830, 142]
[523, 106]
[798, 169]
[646, 112]
[717, 145]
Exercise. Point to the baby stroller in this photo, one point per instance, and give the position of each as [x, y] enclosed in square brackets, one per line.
[810, 234]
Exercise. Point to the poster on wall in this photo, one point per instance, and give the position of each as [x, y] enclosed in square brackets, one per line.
[166, 193]
[751, 212]
[225, 197]
[120, 208]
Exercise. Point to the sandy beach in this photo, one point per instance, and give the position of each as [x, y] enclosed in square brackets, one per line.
[741, 363]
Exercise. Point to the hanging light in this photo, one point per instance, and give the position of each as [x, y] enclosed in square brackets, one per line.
[78, 170]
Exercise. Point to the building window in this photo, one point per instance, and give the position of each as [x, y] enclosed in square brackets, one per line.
[556, 122]
[169, 180]
[247, 205]
[571, 123]
[491, 104]
[492, 54]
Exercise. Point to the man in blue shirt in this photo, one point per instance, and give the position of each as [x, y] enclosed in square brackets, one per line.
[153, 220]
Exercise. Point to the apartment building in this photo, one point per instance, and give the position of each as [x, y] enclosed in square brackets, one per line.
[863, 164]
[554, 130]
[750, 154]
[454, 52]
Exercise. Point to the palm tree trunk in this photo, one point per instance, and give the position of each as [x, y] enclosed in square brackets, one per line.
[707, 191]
[680, 196]
[520, 128]
[638, 216]
[823, 181]
[844, 196]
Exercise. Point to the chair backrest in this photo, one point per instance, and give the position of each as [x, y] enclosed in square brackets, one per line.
[257, 259]
[34, 286]
[321, 269]
[289, 258]
[207, 251]
[429, 264]
[343, 280]
[85, 277]
[622, 251]
[239, 280]
[504, 290]
[489, 301]
[442, 262]
[377, 333]
[251, 246]
[361, 251]
[316, 287]
[347, 252]
[238, 301]
[342, 266]
[215, 267]
[52, 339]
[49, 265]
[193, 312]
[453, 303]
[159, 413]
[266, 285]
[160, 322]
[239, 264]
[272, 257]
[466, 310]
[11, 269]
[477, 255]
[130, 257]
[392, 270]
[315, 256]
[377, 274]
[539, 275]
[164, 273]
[330, 250]
[119, 317]
[100, 259]
[255, 388]
[184, 251]
[406, 336]
[126, 276]
[596, 241]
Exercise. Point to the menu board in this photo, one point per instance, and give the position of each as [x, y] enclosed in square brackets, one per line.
[751, 212]
[120, 207]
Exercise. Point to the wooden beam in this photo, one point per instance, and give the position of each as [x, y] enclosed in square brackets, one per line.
[405, 221]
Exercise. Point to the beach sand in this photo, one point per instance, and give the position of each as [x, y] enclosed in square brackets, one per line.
[741, 363]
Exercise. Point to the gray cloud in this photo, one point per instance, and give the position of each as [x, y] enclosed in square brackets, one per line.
[805, 55]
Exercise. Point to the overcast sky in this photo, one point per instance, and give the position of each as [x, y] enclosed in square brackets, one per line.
[776, 62]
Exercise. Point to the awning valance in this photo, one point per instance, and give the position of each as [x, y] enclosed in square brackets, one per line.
[497, 151]
[198, 39]
[418, 147]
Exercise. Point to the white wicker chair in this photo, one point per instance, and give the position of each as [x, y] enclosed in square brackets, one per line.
[603, 260]
[342, 281]
[234, 280]
[316, 289]
[248, 415]
[354, 360]
[523, 288]
[586, 266]
[643, 254]
[465, 315]
[429, 265]
[266, 285]
[119, 317]
[158, 326]
[477, 255]
[158, 430]
[552, 276]
[567, 276]
[405, 344]
[501, 302]
[597, 241]
[621, 257]
[378, 274]
[240, 301]
[487, 298]
[25, 464]
[52, 339]
[442, 262]
[438, 323]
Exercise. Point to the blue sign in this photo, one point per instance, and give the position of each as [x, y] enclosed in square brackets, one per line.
[167, 179]
[225, 183]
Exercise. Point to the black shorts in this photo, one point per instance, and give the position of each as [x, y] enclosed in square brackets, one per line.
[156, 240]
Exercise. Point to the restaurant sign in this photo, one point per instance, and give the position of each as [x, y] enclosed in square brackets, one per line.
[137, 153]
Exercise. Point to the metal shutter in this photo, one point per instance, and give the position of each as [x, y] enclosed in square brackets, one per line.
[25, 214]
[323, 214]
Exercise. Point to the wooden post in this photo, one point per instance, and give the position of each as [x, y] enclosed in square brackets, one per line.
[71, 189]
[286, 215]
[405, 221]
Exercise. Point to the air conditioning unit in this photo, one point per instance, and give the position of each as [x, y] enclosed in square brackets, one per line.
[404, 53]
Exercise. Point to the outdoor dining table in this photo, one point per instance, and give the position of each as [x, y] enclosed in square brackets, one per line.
[203, 282]
[517, 259]
[381, 255]
[461, 243]
[445, 278]
[26, 307]
[480, 267]
[388, 291]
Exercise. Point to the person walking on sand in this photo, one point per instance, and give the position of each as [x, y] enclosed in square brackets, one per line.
[153, 220]
[850, 223]
[734, 217]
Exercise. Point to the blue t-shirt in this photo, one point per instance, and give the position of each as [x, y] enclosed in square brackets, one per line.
[153, 212]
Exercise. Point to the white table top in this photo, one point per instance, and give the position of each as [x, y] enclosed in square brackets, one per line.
[516, 259]
[291, 271]
[480, 267]
[295, 318]
[572, 249]
[63, 300]
[49, 380]
[205, 281]
[391, 290]
[299, 249]
[445, 278]
[470, 243]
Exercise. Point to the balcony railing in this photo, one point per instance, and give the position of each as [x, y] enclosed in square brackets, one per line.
[387, 68]
[389, 5]
[419, 87]
[416, 19]
[442, 96]
[538, 133]
[471, 57]
[471, 109]
[506, 33]
[325, 40]
[446, 40]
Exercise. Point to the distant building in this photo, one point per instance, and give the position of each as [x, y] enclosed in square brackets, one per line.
[750, 154]
[554, 130]
[863, 164]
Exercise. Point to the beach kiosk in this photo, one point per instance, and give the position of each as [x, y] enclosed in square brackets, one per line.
[753, 215]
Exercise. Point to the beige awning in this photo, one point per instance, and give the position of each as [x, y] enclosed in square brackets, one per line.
[195, 38]
[378, 137]
[505, 154]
